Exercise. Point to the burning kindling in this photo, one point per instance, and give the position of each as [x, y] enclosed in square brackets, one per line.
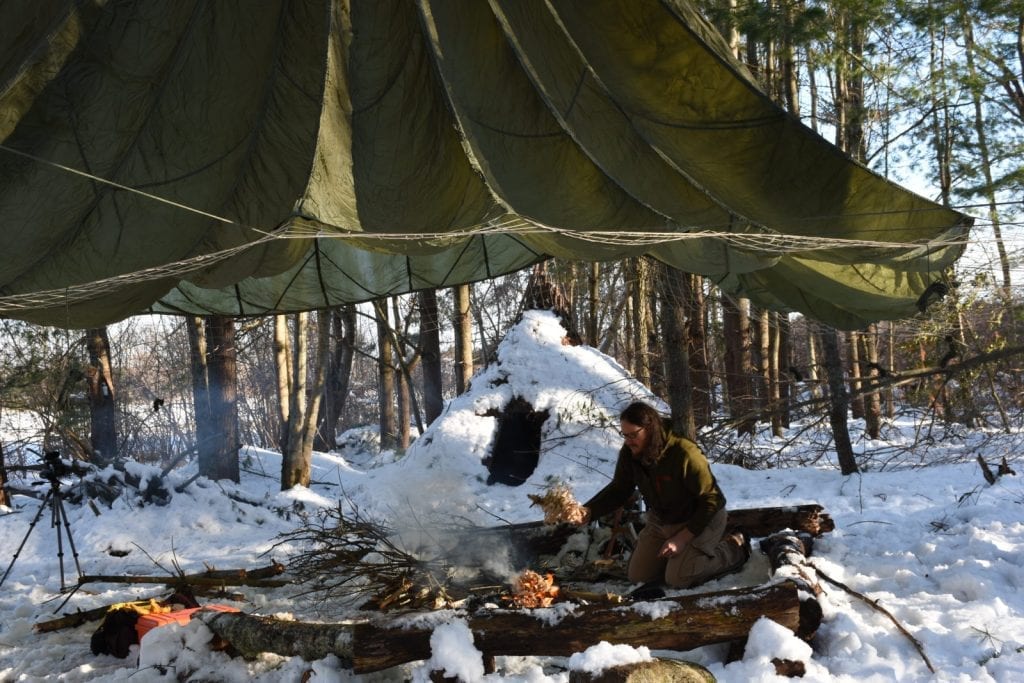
[558, 504]
[533, 590]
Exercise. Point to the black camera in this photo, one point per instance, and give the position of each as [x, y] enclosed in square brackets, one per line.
[53, 466]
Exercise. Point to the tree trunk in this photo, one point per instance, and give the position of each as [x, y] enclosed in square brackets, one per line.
[339, 373]
[102, 398]
[677, 362]
[641, 321]
[221, 460]
[764, 357]
[739, 369]
[292, 470]
[303, 405]
[386, 379]
[4, 500]
[200, 385]
[697, 349]
[872, 399]
[430, 352]
[283, 373]
[774, 376]
[593, 303]
[888, 394]
[694, 621]
[983, 151]
[785, 365]
[463, 339]
[838, 400]
[404, 400]
[813, 361]
[854, 365]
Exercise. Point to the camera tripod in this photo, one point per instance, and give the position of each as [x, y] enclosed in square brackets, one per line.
[58, 517]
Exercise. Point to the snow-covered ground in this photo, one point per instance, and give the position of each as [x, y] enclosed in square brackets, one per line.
[935, 545]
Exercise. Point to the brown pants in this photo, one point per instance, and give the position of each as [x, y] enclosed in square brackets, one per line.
[703, 558]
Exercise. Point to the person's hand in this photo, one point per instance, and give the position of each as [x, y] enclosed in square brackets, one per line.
[674, 545]
[585, 518]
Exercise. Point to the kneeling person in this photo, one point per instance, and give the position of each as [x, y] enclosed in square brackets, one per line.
[683, 541]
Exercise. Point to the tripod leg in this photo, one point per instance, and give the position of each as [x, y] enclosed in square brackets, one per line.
[55, 523]
[31, 526]
[63, 515]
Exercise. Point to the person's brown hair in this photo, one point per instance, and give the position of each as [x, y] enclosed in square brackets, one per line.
[643, 415]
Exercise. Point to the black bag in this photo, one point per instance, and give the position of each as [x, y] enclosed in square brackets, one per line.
[116, 634]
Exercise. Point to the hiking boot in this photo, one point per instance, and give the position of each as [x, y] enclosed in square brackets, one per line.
[742, 539]
[652, 590]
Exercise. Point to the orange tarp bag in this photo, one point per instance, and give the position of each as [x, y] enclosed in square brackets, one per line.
[148, 622]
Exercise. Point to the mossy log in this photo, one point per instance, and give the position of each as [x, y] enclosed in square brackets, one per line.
[653, 671]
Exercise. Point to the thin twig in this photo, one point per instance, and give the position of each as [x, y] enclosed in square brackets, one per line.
[874, 604]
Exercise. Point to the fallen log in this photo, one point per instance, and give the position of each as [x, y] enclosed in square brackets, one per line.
[82, 616]
[680, 623]
[257, 578]
[787, 554]
[533, 539]
[190, 580]
[758, 522]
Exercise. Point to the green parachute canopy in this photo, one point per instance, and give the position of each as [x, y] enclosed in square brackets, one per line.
[248, 158]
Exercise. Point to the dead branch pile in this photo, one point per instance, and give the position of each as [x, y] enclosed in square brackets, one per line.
[343, 555]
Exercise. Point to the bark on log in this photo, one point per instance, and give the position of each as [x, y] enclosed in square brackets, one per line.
[249, 636]
[653, 671]
[694, 620]
[759, 522]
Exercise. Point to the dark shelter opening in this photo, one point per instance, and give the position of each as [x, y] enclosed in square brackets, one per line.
[516, 450]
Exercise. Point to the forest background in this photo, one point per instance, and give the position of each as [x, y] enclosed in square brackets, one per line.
[929, 94]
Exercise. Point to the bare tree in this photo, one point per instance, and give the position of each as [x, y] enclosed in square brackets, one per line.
[215, 393]
[739, 369]
[430, 350]
[389, 430]
[339, 372]
[303, 401]
[676, 345]
[463, 338]
[102, 397]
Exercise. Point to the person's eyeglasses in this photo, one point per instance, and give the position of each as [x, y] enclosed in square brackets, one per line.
[629, 436]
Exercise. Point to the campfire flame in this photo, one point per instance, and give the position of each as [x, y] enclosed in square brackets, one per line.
[559, 505]
[533, 590]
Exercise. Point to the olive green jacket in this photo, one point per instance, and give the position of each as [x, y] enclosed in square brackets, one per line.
[679, 488]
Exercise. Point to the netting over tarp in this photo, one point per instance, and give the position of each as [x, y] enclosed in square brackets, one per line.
[243, 159]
